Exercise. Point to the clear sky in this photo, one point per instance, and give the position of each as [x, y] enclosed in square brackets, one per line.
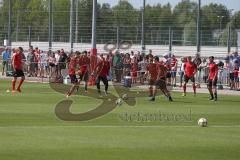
[230, 4]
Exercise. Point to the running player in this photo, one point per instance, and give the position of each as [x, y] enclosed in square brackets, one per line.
[160, 83]
[72, 74]
[84, 64]
[17, 63]
[102, 71]
[190, 70]
[212, 78]
[152, 73]
[161, 79]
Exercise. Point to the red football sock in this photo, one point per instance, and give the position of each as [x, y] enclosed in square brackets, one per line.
[13, 84]
[20, 84]
[184, 88]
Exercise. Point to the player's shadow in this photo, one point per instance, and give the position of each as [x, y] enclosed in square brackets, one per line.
[62, 109]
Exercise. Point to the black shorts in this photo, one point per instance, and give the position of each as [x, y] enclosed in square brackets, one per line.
[231, 76]
[52, 64]
[168, 75]
[18, 73]
[84, 77]
[212, 82]
[151, 82]
[186, 79]
[236, 79]
[173, 74]
[142, 73]
[5, 63]
[161, 83]
[73, 79]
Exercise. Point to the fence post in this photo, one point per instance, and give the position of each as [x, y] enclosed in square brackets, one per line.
[50, 27]
[170, 39]
[9, 24]
[199, 27]
[71, 25]
[76, 29]
[143, 27]
[17, 26]
[229, 39]
[29, 36]
[117, 37]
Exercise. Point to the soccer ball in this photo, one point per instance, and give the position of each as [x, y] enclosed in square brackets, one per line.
[202, 122]
[125, 97]
[119, 102]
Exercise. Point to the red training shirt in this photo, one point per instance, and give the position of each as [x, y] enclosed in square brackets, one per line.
[84, 62]
[72, 66]
[103, 68]
[152, 69]
[190, 69]
[17, 61]
[213, 70]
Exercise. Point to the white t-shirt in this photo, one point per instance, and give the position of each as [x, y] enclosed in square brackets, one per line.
[231, 66]
[57, 57]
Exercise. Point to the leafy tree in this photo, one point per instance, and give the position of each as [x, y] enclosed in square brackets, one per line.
[234, 24]
[211, 16]
[184, 12]
[189, 35]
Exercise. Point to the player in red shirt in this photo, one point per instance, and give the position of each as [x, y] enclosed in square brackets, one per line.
[102, 71]
[72, 73]
[160, 83]
[84, 63]
[190, 70]
[17, 63]
[152, 73]
[212, 78]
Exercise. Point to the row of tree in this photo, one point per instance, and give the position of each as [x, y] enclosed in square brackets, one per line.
[122, 20]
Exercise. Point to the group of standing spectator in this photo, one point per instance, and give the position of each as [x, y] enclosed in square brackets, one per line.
[45, 64]
[48, 64]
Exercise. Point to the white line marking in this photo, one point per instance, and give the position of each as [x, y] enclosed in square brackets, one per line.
[106, 126]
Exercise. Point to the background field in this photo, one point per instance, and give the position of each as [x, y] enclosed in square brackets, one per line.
[29, 128]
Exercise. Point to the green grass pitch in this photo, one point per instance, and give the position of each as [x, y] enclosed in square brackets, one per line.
[29, 128]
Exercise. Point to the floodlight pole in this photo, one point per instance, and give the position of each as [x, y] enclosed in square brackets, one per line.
[143, 27]
[9, 44]
[94, 18]
[76, 29]
[93, 57]
[50, 26]
[199, 27]
[71, 25]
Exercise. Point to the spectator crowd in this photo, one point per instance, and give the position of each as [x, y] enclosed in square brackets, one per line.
[134, 64]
